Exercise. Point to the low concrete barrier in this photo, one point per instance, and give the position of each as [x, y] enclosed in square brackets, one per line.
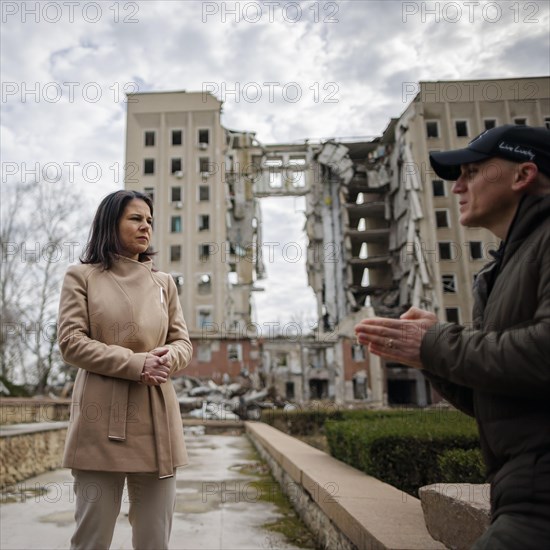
[215, 426]
[456, 514]
[15, 410]
[343, 507]
[27, 450]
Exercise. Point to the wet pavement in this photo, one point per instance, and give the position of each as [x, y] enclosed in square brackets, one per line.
[224, 501]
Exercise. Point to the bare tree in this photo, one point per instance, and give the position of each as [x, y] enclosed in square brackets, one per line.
[13, 232]
[37, 245]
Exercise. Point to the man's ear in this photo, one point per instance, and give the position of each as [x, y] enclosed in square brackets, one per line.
[526, 174]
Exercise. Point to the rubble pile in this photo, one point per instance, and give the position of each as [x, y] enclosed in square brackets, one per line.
[228, 401]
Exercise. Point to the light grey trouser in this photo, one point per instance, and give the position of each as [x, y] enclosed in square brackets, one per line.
[98, 499]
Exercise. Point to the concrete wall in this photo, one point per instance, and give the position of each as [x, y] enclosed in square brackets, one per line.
[30, 450]
[343, 507]
[20, 411]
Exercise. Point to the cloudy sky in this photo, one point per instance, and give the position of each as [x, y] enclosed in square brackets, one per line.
[287, 70]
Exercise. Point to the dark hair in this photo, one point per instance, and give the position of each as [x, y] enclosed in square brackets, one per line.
[103, 242]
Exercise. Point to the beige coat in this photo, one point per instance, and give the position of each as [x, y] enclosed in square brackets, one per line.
[108, 321]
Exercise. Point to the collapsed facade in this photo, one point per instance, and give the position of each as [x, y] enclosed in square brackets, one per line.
[383, 231]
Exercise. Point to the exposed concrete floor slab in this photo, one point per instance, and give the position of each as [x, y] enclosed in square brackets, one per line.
[217, 508]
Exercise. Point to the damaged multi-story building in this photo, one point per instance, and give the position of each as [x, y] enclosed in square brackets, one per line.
[208, 219]
[382, 229]
[394, 224]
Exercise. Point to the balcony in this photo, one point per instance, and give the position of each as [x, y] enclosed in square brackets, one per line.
[372, 209]
[378, 235]
[371, 261]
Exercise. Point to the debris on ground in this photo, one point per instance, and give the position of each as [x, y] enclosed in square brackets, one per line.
[229, 401]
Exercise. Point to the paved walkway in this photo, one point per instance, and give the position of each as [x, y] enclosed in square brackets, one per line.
[216, 508]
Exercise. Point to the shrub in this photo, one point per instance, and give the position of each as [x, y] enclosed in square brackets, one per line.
[310, 419]
[461, 466]
[307, 421]
[402, 449]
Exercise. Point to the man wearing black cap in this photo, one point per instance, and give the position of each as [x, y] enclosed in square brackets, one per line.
[499, 371]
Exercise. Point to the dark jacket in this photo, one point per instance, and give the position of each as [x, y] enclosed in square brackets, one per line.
[498, 370]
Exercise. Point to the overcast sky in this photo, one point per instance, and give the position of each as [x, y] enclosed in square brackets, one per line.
[287, 70]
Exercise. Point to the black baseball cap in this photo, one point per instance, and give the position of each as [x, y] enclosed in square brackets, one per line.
[515, 143]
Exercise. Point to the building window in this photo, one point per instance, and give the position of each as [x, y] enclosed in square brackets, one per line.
[235, 352]
[438, 187]
[204, 222]
[476, 251]
[520, 121]
[149, 139]
[175, 194]
[204, 165]
[175, 224]
[547, 122]
[177, 137]
[489, 123]
[442, 218]
[289, 390]
[448, 282]
[204, 353]
[295, 172]
[178, 279]
[204, 252]
[204, 317]
[149, 166]
[274, 165]
[359, 387]
[150, 191]
[175, 165]
[461, 127]
[318, 388]
[452, 314]
[204, 137]
[175, 253]
[358, 353]
[432, 128]
[444, 251]
[204, 193]
[205, 284]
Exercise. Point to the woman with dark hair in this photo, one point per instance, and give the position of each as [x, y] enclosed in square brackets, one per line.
[121, 324]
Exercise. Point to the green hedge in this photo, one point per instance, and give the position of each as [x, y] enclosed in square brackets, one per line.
[401, 448]
[461, 466]
[407, 448]
[310, 419]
